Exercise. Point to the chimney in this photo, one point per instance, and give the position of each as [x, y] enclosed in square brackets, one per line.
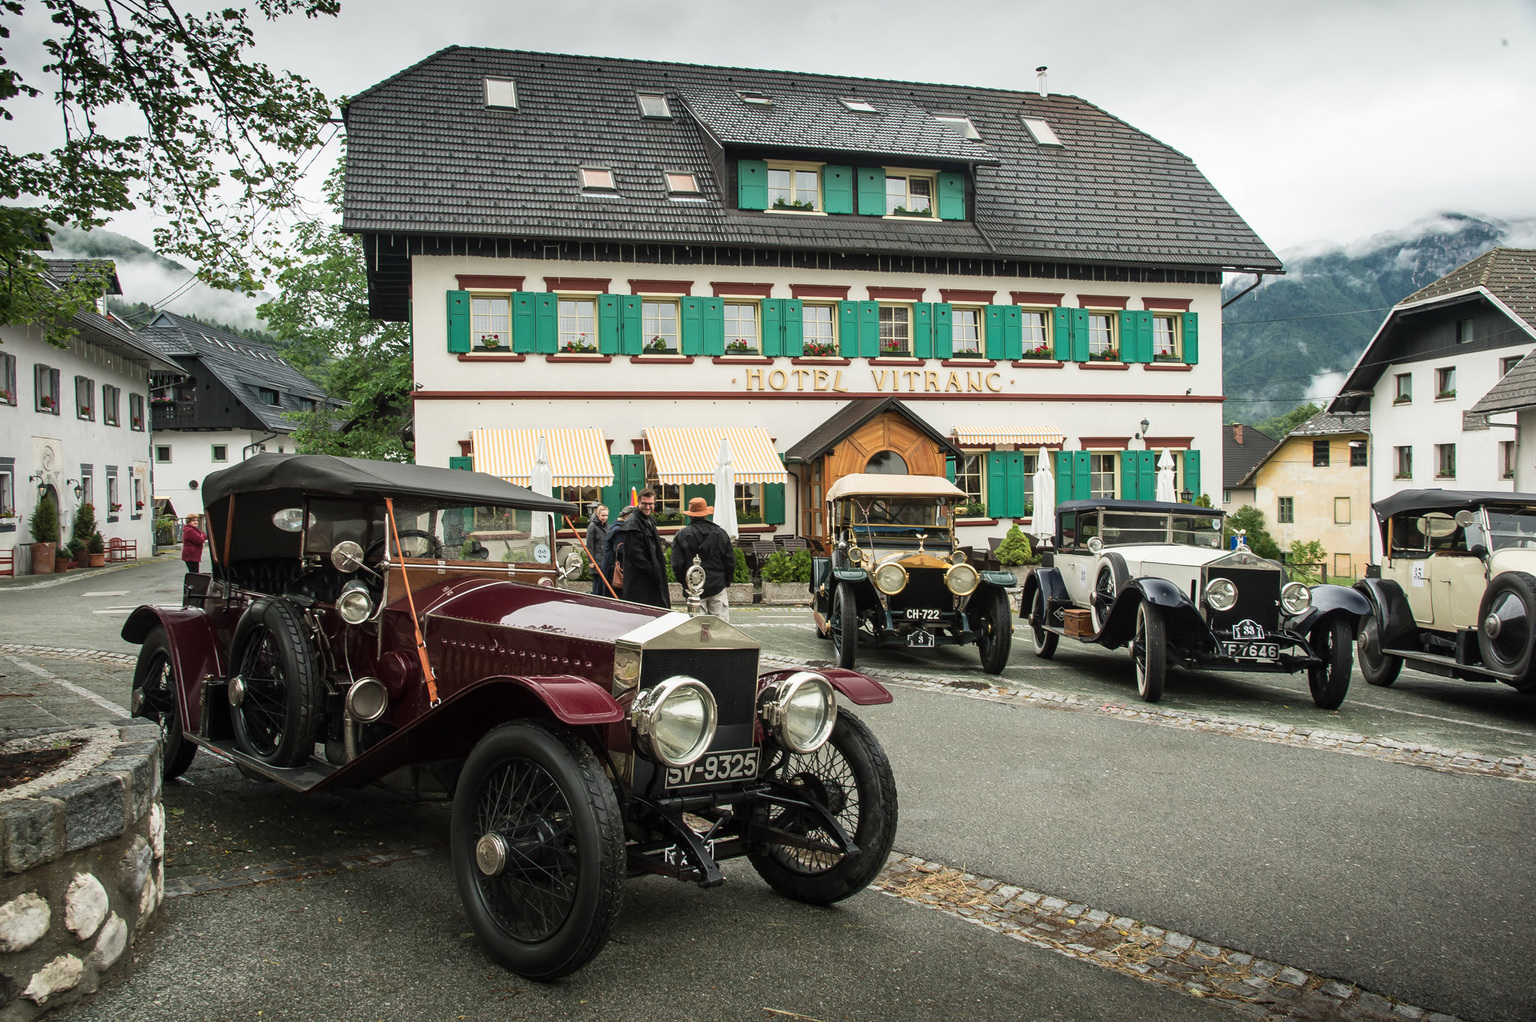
[1040, 74]
[1237, 433]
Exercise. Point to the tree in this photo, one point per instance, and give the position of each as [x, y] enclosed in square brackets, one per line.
[1307, 562]
[1250, 520]
[1015, 549]
[1280, 425]
[216, 151]
[320, 320]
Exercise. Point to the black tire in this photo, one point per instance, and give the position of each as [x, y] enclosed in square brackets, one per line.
[280, 710]
[542, 793]
[1043, 640]
[1149, 652]
[994, 634]
[845, 628]
[1376, 667]
[1332, 644]
[1505, 632]
[851, 776]
[1107, 584]
[154, 688]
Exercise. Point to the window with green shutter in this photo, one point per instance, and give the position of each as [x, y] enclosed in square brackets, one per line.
[524, 329]
[951, 196]
[1190, 341]
[608, 324]
[1061, 333]
[848, 329]
[546, 324]
[773, 504]
[773, 327]
[631, 336]
[458, 322]
[1008, 484]
[1191, 462]
[871, 186]
[1074, 479]
[1135, 336]
[751, 184]
[869, 329]
[943, 330]
[465, 463]
[1138, 475]
[794, 327]
[837, 189]
[628, 477]
[693, 326]
[922, 329]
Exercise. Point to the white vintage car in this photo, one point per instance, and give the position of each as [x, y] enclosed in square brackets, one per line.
[1455, 594]
[1155, 575]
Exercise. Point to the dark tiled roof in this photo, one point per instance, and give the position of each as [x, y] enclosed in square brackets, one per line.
[1329, 424]
[241, 364]
[853, 415]
[425, 156]
[65, 270]
[820, 120]
[104, 331]
[1516, 390]
[1239, 459]
[1509, 273]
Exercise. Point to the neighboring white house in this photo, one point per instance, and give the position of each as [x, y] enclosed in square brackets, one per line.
[73, 422]
[1422, 378]
[1516, 393]
[226, 402]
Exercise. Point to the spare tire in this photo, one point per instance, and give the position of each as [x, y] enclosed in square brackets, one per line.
[276, 692]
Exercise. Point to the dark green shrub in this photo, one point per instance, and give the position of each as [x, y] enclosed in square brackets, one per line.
[96, 545]
[1015, 549]
[787, 567]
[1250, 520]
[44, 522]
[742, 574]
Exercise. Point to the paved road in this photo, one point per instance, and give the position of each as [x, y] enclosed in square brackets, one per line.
[1413, 883]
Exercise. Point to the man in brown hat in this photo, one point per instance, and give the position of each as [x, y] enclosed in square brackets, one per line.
[713, 546]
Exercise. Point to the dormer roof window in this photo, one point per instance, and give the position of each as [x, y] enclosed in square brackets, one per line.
[679, 183]
[1041, 131]
[857, 105]
[654, 104]
[960, 123]
[756, 98]
[501, 93]
[597, 179]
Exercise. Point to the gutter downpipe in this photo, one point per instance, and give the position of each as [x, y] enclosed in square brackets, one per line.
[1258, 279]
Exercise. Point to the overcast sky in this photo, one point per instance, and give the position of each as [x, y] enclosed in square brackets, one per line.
[1319, 121]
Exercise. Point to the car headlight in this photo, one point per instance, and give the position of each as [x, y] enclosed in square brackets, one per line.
[799, 711]
[855, 555]
[957, 557]
[890, 578]
[1295, 597]
[962, 579]
[1221, 593]
[354, 604]
[676, 719]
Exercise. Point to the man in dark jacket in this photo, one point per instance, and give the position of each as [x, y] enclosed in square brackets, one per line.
[612, 544]
[712, 545]
[597, 546]
[641, 560]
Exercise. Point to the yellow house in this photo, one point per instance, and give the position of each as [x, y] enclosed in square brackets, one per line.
[1315, 485]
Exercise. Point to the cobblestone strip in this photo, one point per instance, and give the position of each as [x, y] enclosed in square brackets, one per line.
[95, 656]
[1518, 768]
[1258, 988]
[286, 869]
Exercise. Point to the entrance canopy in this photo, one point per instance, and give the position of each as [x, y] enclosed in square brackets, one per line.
[577, 457]
[984, 436]
[688, 456]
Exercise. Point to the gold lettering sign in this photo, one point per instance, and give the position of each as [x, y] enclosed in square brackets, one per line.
[896, 381]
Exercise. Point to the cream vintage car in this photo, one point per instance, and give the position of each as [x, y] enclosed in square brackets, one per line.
[1455, 593]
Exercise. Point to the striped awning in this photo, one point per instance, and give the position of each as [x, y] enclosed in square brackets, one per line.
[688, 456]
[577, 457]
[1035, 436]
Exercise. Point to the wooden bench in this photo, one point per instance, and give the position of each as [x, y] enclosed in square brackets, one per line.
[122, 549]
[8, 563]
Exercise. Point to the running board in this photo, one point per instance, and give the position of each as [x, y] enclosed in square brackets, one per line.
[301, 778]
[1412, 656]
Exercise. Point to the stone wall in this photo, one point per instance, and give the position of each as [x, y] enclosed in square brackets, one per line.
[81, 863]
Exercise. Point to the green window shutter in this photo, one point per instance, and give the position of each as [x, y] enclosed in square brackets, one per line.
[630, 340]
[922, 329]
[995, 332]
[1016, 484]
[1192, 471]
[707, 491]
[466, 463]
[1129, 349]
[1079, 335]
[751, 184]
[1144, 336]
[612, 493]
[997, 484]
[773, 327]
[949, 469]
[1063, 475]
[458, 322]
[693, 326]
[837, 189]
[794, 327]
[869, 329]
[1061, 333]
[943, 330]
[1082, 482]
[848, 329]
[773, 504]
[1146, 473]
[523, 322]
[608, 325]
[1191, 330]
[546, 323]
[1013, 332]
[871, 191]
[951, 196]
[714, 325]
[1130, 482]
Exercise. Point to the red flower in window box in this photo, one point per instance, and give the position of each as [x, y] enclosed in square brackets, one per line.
[818, 349]
[1040, 351]
[113, 509]
[45, 401]
[138, 423]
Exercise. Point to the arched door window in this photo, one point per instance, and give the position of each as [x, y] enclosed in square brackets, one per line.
[887, 463]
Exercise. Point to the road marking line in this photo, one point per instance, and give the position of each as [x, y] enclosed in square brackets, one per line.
[108, 592]
[105, 704]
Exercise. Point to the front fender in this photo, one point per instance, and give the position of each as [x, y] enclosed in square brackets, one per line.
[850, 574]
[1185, 628]
[1394, 617]
[1047, 579]
[1005, 579]
[1328, 600]
[851, 685]
[195, 652]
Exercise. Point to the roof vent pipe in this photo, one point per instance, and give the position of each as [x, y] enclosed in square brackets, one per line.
[1040, 74]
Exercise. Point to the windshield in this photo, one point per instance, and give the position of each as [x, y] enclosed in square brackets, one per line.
[1511, 531]
[896, 523]
[458, 533]
[1125, 528]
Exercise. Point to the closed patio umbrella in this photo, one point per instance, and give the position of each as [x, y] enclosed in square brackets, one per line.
[1166, 490]
[541, 480]
[725, 490]
[1045, 498]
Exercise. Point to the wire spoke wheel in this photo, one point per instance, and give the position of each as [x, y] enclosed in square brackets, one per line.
[266, 694]
[534, 892]
[154, 686]
[277, 692]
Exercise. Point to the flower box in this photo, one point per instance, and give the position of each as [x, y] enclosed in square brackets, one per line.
[814, 349]
[904, 211]
[45, 401]
[138, 423]
[113, 509]
[659, 346]
[580, 346]
[491, 341]
[804, 205]
[1107, 355]
[739, 348]
[1042, 352]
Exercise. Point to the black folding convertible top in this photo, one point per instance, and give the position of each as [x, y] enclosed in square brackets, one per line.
[1449, 501]
[1108, 504]
[328, 475]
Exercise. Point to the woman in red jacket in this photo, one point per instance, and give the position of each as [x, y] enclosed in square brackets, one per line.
[192, 540]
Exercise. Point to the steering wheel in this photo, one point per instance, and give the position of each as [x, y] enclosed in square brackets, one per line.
[428, 545]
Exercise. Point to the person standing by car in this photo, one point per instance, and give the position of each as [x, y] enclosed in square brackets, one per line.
[612, 544]
[597, 546]
[712, 545]
[192, 540]
[641, 560]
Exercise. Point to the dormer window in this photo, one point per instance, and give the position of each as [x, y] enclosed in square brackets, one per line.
[653, 104]
[862, 106]
[756, 98]
[959, 123]
[268, 396]
[501, 93]
[597, 179]
[679, 183]
[1041, 131]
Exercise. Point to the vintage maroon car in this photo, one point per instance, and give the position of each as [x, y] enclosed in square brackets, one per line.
[368, 622]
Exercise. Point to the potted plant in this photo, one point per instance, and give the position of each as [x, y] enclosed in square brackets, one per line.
[81, 529]
[6, 396]
[1041, 351]
[893, 349]
[490, 341]
[580, 346]
[46, 401]
[800, 204]
[138, 422]
[7, 514]
[44, 524]
[738, 347]
[971, 509]
[658, 345]
[787, 577]
[1107, 355]
[96, 549]
[820, 349]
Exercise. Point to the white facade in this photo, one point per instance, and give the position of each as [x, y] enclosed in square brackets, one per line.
[1094, 406]
[184, 458]
[65, 450]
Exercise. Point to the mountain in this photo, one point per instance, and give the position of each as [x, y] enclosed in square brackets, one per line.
[1292, 339]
